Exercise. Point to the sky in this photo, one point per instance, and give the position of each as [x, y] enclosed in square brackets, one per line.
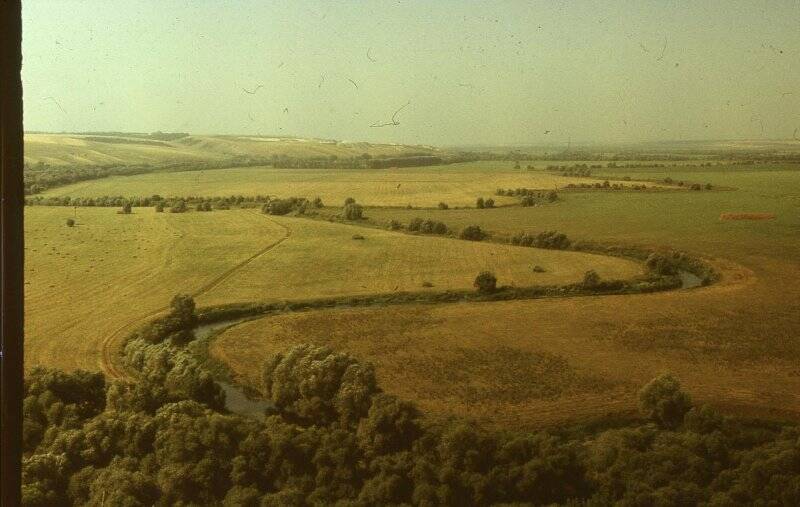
[440, 73]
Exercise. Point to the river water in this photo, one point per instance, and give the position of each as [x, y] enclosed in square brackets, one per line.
[239, 402]
[236, 400]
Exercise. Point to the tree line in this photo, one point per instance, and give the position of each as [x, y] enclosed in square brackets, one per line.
[335, 437]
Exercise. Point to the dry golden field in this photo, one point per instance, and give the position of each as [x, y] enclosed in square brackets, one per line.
[322, 259]
[733, 345]
[456, 185]
[80, 149]
[98, 280]
[111, 271]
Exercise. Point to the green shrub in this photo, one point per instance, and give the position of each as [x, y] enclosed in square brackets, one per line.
[472, 233]
[663, 401]
[485, 282]
[353, 211]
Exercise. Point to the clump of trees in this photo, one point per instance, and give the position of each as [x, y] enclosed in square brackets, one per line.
[285, 206]
[482, 203]
[485, 282]
[427, 226]
[591, 280]
[663, 402]
[473, 233]
[178, 207]
[353, 210]
[662, 264]
[553, 240]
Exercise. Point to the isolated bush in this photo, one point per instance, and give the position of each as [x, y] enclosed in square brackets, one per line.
[443, 205]
[591, 279]
[485, 282]
[349, 200]
[353, 211]
[126, 208]
[70, 222]
[479, 203]
[358, 236]
[489, 203]
[473, 233]
[178, 207]
[439, 228]
[538, 269]
[663, 401]
[661, 264]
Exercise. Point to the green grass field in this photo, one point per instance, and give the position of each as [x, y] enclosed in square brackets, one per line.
[456, 184]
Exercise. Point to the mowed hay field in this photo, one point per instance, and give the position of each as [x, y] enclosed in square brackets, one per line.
[734, 345]
[456, 184]
[111, 272]
[83, 283]
[322, 259]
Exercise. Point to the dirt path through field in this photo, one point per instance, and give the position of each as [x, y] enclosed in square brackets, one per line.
[111, 343]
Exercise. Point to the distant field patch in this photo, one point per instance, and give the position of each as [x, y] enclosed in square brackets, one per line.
[322, 259]
[456, 184]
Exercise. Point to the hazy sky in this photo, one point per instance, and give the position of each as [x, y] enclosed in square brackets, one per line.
[469, 72]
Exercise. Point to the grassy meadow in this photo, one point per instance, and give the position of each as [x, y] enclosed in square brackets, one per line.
[322, 259]
[111, 271]
[733, 344]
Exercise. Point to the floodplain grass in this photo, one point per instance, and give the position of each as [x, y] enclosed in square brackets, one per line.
[84, 282]
[322, 259]
[457, 185]
[733, 344]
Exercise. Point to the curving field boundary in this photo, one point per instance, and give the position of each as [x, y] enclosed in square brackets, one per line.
[110, 343]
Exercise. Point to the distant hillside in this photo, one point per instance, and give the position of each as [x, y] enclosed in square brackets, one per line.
[157, 149]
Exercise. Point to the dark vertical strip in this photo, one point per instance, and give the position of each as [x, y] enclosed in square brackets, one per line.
[11, 268]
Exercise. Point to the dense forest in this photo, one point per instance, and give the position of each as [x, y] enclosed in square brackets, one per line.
[334, 437]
